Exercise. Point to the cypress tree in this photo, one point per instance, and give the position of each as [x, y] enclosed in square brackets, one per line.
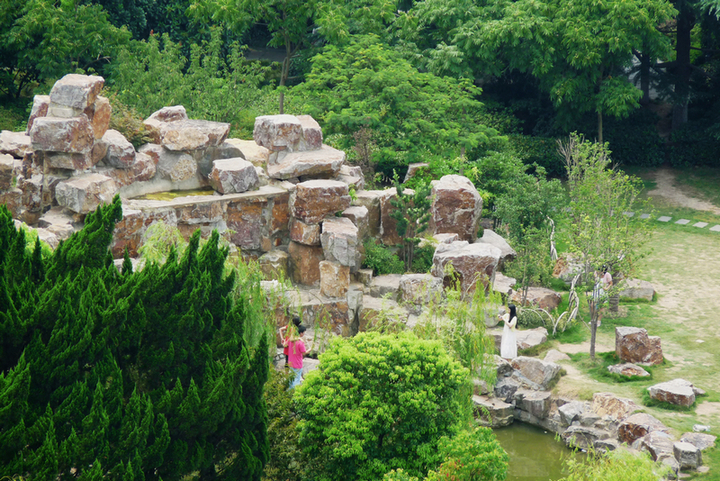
[127, 376]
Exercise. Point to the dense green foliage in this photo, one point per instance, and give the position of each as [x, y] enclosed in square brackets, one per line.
[381, 259]
[125, 376]
[378, 403]
[615, 466]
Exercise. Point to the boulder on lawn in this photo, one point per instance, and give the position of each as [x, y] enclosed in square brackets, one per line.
[688, 456]
[638, 425]
[608, 404]
[456, 207]
[632, 344]
[628, 370]
[678, 392]
[540, 297]
[637, 289]
[491, 237]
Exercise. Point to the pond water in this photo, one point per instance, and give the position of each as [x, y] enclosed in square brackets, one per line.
[535, 454]
[176, 193]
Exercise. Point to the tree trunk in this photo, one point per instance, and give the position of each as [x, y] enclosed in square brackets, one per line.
[645, 78]
[685, 23]
[593, 328]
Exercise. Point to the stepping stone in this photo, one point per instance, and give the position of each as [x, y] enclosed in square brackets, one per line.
[715, 228]
[664, 219]
[682, 222]
[629, 214]
[700, 224]
[644, 216]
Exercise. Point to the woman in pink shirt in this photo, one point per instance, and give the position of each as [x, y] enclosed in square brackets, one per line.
[296, 350]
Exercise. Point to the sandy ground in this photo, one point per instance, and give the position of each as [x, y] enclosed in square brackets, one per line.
[665, 188]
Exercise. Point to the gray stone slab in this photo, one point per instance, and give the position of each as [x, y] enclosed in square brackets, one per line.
[629, 214]
[715, 228]
[700, 224]
[664, 218]
[682, 222]
[644, 216]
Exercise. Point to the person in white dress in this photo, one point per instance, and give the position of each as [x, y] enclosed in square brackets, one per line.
[508, 345]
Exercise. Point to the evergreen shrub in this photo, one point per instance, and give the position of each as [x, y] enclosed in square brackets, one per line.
[382, 260]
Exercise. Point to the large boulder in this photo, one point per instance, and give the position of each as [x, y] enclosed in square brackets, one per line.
[493, 412]
[456, 207]
[632, 344]
[472, 263]
[628, 370]
[277, 132]
[186, 135]
[541, 297]
[120, 152]
[16, 144]
[339, 239]
[172, 166]
[688, 456]
[308, 234]
[76, 91]
[7, 164]
[230, 176]
[85, 193]
[388, 225]
[312, 138]
[658, 443]
[315, 199]
[608, 404]
[583, 437]
[55, 134]
[305, 263]
[274, 264]
[385, 284]
[572, 411]
[100, 118]
[352, 175]
[699, 440]
[370, 199]
[358, 215]
[536, 403]
[678, 391]
[638, 425]
[334, 279]
[540, 372]
[420, 289]
[324, 162]
[637, 289]
[252, 152]
[144, 167]
[40, 106]
[166, 114]
[491, 237]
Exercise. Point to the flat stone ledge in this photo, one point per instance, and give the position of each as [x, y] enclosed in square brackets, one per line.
[664, 218]
[682, 222]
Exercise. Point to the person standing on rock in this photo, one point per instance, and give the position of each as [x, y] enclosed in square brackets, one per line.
[296, 351]
[508, 345]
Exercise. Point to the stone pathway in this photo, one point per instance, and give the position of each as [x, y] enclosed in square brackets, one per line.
[666, 218]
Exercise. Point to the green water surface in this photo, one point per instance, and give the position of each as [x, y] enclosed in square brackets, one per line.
[535, 454]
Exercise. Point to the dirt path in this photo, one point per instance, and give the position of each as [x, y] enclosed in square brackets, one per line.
[665, 187]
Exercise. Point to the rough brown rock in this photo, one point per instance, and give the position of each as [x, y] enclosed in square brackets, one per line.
[358, 215]
[678, 391]
[388, 225]
[308, 234]
[339, 239]
[102, 111]
[658, 443]
[352, 175]
[608, 404]
[325, 162]
[70, 161]
[144, 167]
[305, 263]
[165, 114]
[173, 166]
[420, 289]
[236, 175]
[315, 199]
[374, 309]
[6, 171]
[536, 403]
[16, 144]
[491, 237]
[334, 279]
[277, 132]
[472, 263]
[85, 193]
[274, 264]
[312, 133]
[699, 440]
[39, 109]
[73, 135]
[252, 152]
[76, 91]
[13, 201]
[632, 344]
[120, 152]
[539, 297]
[540, 372]
[493, 412]
[628, 370]
[186, 135]
[638, 425]
[370, 199]
[456, 207]
[687, 455]
[637, 289]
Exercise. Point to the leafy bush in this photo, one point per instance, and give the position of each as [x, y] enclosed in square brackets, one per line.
[615, 466]
[381, 259]
[286, 458]
[128, 122]
[693, 145]
[541, 151]
[14, 115]
[378, 403]
[423, 258]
